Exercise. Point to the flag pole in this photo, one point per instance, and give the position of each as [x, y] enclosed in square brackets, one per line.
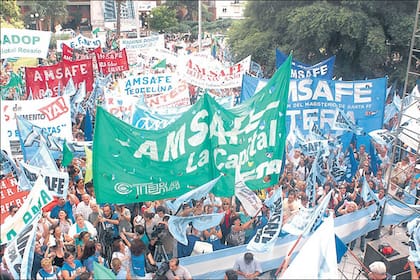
[282, 266]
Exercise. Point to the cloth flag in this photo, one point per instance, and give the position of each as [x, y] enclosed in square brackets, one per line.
[27, 213]
[67, 154]
[101, 272]
[70, 88]
[161, 64]
[320, 249]
[306, 221]
[343, 122]
[413, 229]
[88, 173]
[195, 194]
[205, 141]
[19, 253]
[178, 225]
[250, 201]
[265, 237]
[340, 248]
[88, 126]
[367, 195]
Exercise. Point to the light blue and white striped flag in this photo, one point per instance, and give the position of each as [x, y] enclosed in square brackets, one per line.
[178, 225]
[195, 194]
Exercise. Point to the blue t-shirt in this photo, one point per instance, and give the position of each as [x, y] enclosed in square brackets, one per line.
[137, 264]
[109, 226]
[71, 270]
[67, 207]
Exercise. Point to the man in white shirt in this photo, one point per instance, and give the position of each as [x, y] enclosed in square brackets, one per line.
[247, 267]
[83, 207]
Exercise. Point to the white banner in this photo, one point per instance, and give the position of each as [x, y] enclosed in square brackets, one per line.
[37, 198]
[137, 45]
[24, 43]
[178, 97]
[51, 114]
[121, 106]
[150, 84]
[249, 199]
[19, 253]
[382, 136]
[205, 76]
[79, 42]
[265, 237]
[56, 181]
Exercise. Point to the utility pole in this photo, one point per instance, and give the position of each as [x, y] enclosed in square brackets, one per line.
[118, 2]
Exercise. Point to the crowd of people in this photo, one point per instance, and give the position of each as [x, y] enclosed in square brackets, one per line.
[128, 238]
[131, 239]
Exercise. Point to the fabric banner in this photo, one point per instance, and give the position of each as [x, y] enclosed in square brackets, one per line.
[121, 106]
[347, 227]
[43, 81]
[266, 236]
[19, 253]
[250, 202]
[112, 62]
[68, 53]
[195, 194]
[178, 225]
[56, 181]
[149, 84]
[205, 141]
[146, 118]
[382, 136]
[50, 116]
[315, 101]
[37, 198]
[177, 97]
[137, 45]
[10, 195]
[80, 42]
[320, 250]
[24, 43]
[322, 70]
[207, 77]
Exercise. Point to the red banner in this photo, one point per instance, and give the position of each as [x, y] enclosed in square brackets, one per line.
[39, 79]
[67, 54]
[112, 62]
[10, 195]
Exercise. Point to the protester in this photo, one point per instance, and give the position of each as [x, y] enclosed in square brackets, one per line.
[247, 267]
[48, 271]
[177, 271]
[72, 268]
[139, 257]
[122, 252]
[230, 274]
[378, 271]
[120, 272]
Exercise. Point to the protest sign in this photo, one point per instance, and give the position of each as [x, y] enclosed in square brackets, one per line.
[24, 43]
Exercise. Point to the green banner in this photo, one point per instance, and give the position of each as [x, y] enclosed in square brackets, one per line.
[133, 165]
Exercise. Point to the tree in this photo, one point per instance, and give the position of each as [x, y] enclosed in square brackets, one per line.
[163, 18]
[353, 30]
[10, 14]
[188, 10]
[52, 11]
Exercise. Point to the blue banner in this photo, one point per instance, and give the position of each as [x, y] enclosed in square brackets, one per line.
[316, 100]
[322, 70]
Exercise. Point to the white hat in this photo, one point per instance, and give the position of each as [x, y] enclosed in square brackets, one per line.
[378, 267]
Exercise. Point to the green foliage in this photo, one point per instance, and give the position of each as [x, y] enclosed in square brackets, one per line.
[353, 30]
[10, 14]
[50, 10]
[163, 18]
